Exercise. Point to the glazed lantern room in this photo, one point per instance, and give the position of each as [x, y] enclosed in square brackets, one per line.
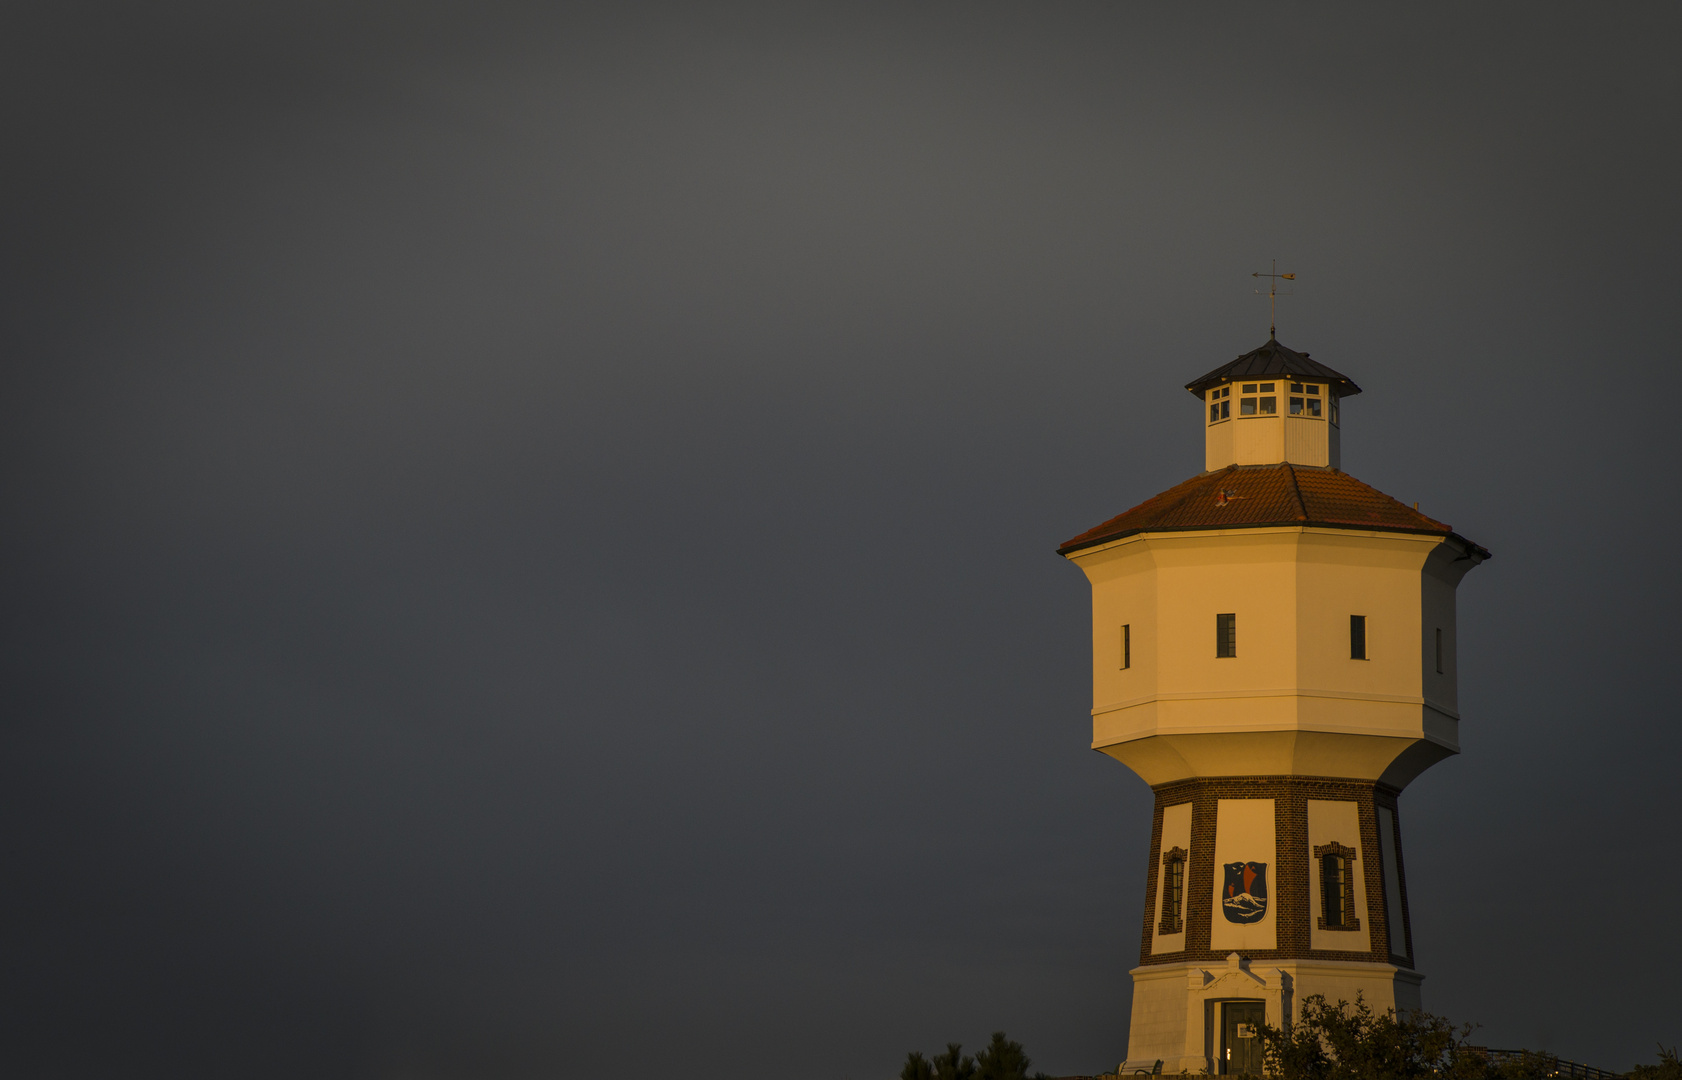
[1272, 406]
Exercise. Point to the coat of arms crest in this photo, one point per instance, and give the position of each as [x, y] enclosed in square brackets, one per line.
[1244, 899]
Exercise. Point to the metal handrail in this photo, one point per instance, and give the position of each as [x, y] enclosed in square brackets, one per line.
[1566, 1070]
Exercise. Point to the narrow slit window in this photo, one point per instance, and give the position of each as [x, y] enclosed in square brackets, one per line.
[1357, 637]
[1226, 636]
[1126, 646]
[1439, 650]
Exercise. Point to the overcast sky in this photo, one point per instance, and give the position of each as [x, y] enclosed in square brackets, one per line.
[530, 537]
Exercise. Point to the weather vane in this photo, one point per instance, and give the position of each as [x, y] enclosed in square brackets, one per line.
[1273, 290]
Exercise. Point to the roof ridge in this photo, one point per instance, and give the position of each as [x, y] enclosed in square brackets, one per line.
[1412, 509]
[1296, 491]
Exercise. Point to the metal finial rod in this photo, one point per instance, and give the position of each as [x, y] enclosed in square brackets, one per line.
[1272, 291]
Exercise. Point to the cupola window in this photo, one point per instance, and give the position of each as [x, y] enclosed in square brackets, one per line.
[1257, 406]
[1220, 407]
[1309, 404]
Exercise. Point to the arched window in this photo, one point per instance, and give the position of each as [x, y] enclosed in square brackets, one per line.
[1173, 891]
[1337, 887]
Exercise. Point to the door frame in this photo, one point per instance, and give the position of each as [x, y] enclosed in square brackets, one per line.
[1215, 1025]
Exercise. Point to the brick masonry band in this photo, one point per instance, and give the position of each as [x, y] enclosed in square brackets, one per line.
[1293, 898]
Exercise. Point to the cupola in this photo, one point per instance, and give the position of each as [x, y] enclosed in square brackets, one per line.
[1271, 406]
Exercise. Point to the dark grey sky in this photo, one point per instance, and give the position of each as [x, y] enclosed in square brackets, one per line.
[530, 537]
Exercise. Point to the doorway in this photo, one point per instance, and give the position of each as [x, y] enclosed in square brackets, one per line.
[1241, 1045]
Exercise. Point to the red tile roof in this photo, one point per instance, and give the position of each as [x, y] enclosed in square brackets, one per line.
[1258, 496]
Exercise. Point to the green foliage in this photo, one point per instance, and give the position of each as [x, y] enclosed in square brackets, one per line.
[917, 1067]
[1001, 1059]
[949, 1066]
[1330, 1042]
[1351, 1042]
[1668, 1068]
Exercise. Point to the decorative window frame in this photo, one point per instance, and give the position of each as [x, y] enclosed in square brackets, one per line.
[1173, 922]
[1348, 854]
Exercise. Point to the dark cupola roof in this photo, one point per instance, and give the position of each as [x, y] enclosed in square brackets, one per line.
[1273, 360]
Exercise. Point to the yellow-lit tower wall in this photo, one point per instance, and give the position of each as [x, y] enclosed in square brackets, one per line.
[1273, 652]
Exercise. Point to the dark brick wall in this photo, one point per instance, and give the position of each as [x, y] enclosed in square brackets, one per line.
[1293, 907]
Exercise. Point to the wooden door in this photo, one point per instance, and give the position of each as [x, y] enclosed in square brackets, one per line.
[1241, 1045]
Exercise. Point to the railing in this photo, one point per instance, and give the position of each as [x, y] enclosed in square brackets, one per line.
[1552, 1066]
[1566, 1070]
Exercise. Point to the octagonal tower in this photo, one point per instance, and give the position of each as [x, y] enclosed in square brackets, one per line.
[1273, 652]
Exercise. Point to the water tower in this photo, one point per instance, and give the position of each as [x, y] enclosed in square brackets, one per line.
[1273, 652]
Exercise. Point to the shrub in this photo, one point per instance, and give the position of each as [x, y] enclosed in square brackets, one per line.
[1668, 1068]
[1351, 1042]
[917, 1067]
[1001, 1059]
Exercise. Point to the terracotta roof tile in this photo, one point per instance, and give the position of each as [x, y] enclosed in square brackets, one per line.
[1254, 496]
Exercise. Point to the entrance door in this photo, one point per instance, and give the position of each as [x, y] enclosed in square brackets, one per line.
[1241, 1045]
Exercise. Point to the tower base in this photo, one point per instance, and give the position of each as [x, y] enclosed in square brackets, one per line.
[1178, 1008]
